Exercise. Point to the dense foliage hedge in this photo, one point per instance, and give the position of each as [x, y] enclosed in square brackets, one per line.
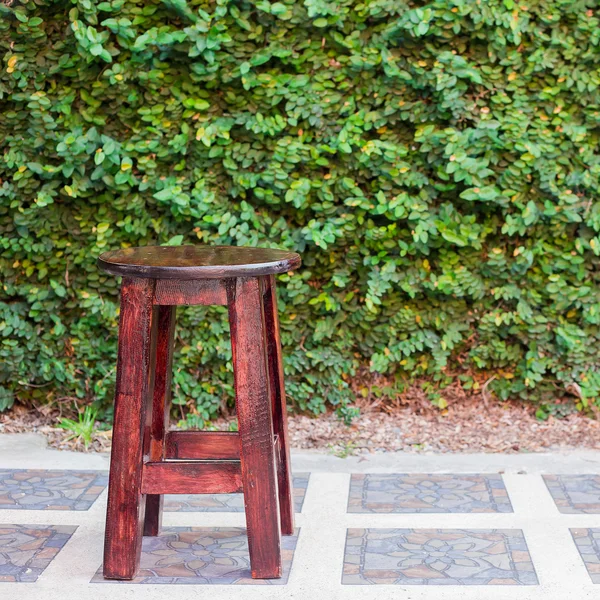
[437, 165]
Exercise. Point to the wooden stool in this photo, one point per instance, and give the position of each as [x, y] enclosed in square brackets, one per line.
[147, 459]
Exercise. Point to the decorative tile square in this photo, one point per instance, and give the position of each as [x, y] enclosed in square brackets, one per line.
[33, 489]
[575, 494]
[227, 502]
[196, 555]
[401, 493]
[588, 544]
[437, 557]
[26, 550]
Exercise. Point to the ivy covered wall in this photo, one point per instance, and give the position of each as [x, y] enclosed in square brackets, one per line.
[437, 165]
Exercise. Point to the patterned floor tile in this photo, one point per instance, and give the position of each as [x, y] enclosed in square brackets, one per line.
[26, 550]
[32, 489]
[588, 544]
[437, 557]
[196, 555]
[575, 494]
[401, 493]
[227, 502]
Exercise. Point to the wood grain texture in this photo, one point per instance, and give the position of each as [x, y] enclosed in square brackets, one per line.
[277, 387]
[197, 262]
[125, 511]
[203, 445]
[253, 405]
[208, 292]
[160, 404]
[192, 477]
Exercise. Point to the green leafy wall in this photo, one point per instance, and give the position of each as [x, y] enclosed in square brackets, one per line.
[437, 165]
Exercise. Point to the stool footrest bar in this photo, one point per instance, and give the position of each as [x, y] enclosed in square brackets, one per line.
[191, 477]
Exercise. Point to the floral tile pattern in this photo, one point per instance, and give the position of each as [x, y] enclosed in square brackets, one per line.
[196, 555]
[437, 557]
[227, 502]
[31, 489]
[401, 493]
[575, 494]
[26, 550]
[588, 544]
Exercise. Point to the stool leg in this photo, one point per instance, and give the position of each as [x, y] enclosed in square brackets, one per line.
[253, 404]
[276, 383]
[124, 515]
[159, 407]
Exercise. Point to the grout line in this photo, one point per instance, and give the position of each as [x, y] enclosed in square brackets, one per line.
[80, 558]
[322, 540]
[552, 550]
[530, 496]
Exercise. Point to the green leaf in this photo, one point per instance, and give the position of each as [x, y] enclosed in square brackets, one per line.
[277, 8]
[176, 240]
[454, 238]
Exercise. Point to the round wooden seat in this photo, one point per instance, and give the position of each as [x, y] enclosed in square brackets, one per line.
[197, 262]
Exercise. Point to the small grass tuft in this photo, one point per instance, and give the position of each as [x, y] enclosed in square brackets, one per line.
[83, 429]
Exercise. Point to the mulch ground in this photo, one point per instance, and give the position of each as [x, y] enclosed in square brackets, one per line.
[499, 428]
[469, 424]
[474, 421]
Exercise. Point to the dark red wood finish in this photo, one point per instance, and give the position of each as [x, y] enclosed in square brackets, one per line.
[192, 477]
[253, 403]
[203, 445]
[159, 407]
[276, 384]
[125, 511]
[207, 292]
[147, 460]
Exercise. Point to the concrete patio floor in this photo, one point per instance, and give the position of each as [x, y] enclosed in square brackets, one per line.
[474, 527]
